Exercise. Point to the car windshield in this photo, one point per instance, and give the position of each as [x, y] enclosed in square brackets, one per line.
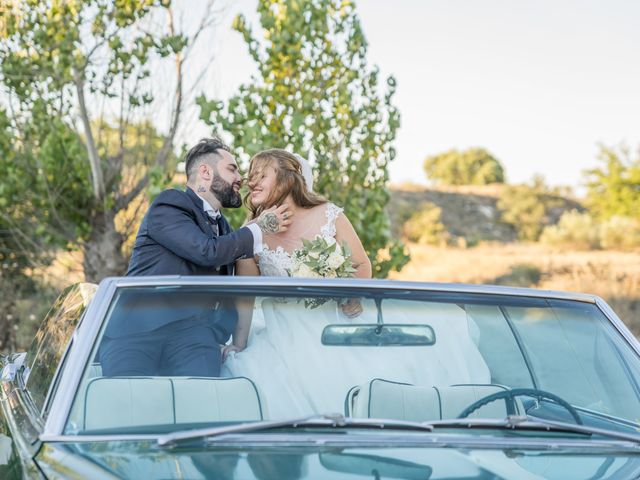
[417, 356]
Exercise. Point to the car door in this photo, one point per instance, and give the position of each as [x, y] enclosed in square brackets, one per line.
[28, 397]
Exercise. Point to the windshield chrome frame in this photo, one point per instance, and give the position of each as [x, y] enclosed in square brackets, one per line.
[89, 330]
[77, 357]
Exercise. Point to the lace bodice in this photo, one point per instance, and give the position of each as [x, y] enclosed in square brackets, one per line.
[277, 262]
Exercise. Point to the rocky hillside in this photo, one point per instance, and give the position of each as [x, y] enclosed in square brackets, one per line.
[468, 212]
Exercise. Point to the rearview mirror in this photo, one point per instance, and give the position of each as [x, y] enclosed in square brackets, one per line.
[378, 335]
[374, 466]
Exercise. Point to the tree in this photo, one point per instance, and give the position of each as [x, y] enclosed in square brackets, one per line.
[614, 188]
[529, 208]
[15, 283]
[475, 166]
[425, 226]
[67, 66]
[315, 95]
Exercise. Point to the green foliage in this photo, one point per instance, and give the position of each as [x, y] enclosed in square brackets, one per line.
[425, 226]
[475, 166]
[61, 61]
[21, 227]
[620, 233]
[613, 199]
[43, 180]
[576, 230]
[315, 95]
[141, 144]
[614, 188]
[47, 46]
[528, 207]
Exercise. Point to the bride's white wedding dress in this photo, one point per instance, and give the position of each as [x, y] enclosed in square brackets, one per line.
[299, 376]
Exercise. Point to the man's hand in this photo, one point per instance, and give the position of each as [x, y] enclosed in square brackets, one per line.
[274, 220]
[227, 349]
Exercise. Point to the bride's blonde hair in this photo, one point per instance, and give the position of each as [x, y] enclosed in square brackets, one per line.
[289, 180]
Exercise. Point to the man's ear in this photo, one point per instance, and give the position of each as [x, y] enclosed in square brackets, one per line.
[205, 171]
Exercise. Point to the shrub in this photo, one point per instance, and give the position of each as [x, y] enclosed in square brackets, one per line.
[425, 226]
[576, 230]
[581, 231]
[522, 207]
[620, 233]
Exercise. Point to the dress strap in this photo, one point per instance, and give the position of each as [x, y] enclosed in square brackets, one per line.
[332, 212]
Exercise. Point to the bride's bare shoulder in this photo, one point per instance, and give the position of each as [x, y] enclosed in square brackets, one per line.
[317, 210]
[326, 207]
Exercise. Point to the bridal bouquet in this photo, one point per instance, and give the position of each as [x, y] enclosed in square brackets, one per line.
[321, 258]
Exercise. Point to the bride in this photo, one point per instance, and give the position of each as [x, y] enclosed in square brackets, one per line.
[280, 349]
[278, 177]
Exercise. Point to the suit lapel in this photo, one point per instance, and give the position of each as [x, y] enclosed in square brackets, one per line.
[203, 221]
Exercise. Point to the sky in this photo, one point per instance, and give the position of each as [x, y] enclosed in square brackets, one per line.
[540, 84]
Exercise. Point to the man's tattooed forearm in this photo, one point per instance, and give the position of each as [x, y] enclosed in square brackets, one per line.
[269, 223]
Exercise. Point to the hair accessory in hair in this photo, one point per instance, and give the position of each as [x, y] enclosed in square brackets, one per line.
[305, 170]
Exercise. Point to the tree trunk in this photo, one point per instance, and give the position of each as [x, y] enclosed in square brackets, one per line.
[103, 251]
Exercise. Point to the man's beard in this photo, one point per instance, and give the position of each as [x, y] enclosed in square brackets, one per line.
[225, 193]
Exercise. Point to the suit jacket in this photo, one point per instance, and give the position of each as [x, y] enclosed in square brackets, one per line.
[176, 238]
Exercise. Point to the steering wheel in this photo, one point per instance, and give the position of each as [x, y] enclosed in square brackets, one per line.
[509, 397]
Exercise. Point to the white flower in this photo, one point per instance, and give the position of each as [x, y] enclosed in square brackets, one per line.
[335, 260]
[305, 271]
[330, 240]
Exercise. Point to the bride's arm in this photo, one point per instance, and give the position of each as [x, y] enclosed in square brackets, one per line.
[346, 233]
[247, 267]
[244, 307]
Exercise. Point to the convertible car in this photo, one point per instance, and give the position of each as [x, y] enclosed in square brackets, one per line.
[340, 379]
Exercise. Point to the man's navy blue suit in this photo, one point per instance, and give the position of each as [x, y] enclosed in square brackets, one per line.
[143, 337]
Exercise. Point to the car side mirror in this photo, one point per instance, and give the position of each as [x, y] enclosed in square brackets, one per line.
[11, 365]
[9, 372]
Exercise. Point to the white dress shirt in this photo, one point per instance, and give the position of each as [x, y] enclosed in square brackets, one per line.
[255, 229]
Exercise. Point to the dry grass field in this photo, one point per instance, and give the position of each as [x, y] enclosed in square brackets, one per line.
[614, 276]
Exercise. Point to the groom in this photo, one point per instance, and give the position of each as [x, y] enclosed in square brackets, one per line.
[184, 233]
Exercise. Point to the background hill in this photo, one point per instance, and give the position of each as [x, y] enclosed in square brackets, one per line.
[468, 212]
[483, 249]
